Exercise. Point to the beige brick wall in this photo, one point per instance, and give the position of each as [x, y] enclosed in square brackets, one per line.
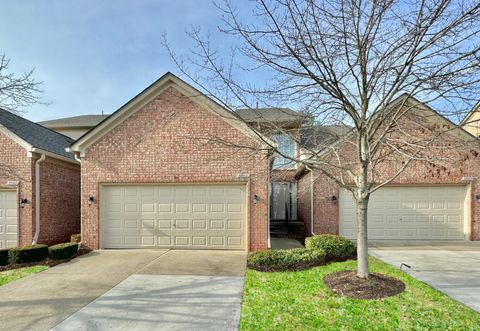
[174, 140]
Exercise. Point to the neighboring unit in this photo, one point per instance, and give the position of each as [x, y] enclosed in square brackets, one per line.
[39, 184]
[74, 127]
[427, 201]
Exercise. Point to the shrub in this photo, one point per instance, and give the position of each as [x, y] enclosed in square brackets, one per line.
[75, 238]
[285, 259]
[4, 256]
[27, 254]
[62, 251]
[335, 247]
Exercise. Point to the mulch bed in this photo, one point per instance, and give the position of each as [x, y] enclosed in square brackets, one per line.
[296, 266]
[47, 262]
[291, 267]
[377, 286]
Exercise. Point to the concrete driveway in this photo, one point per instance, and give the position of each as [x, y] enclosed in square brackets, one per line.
[130, 290]
[452, 268]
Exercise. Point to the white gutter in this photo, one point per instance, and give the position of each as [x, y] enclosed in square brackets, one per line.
[53, 155]
[81, 219]
[37, 198]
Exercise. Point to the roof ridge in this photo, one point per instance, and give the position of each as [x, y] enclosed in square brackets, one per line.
[64, 118]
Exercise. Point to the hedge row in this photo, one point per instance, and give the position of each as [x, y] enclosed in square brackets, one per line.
[318, 250]
[35, 253]
[62, 251]
[26, 254]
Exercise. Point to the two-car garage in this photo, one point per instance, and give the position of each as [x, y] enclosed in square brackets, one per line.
[174, 216]
[410, 213]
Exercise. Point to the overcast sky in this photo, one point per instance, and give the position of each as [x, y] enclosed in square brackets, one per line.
[96, 55]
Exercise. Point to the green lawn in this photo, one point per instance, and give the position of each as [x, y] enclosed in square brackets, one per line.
[11, 275]
[300, 301]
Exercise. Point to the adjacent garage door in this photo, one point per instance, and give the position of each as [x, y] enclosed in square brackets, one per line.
[409, 213]
[174, 216]
[8, 219]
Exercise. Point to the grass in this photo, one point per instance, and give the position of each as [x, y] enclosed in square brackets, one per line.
[300, 301]
[12, 275]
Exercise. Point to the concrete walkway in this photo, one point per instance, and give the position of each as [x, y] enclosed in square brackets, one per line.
[129, 289]
[284, 243]
[453, 269]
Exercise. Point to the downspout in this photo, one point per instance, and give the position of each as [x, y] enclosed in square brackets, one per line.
[270, 164]
[311, 201]
[37, 198]
[81, 220]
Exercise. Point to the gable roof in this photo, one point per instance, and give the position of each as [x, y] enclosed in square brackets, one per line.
[334, 135]
[475, 109]
[34, 136]
[81, 121]
[322, 135]
[149, 94]
[258, 115]
[269, 115]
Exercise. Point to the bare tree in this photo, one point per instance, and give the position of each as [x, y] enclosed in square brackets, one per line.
[17, 91]
[356, 65]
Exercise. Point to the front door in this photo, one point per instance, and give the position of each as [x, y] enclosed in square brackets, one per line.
[283, 201]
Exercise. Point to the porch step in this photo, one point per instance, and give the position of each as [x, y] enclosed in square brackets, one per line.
[278, 227]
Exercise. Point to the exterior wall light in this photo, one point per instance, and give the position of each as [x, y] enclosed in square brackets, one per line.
[477, 197]
[333, 199]
[255, 199]
[91, 199]
[23, 202]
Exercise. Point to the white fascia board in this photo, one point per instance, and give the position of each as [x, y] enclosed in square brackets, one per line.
[15, 138]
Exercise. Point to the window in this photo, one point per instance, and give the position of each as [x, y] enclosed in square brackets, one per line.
[286, 147]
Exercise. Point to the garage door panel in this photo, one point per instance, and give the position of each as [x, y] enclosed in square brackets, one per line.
[424, 213]
[8, 219]
[197, 216]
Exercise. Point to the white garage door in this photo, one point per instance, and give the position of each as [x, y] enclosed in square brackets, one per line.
[177, 216]
[410, 213]
[8, 219]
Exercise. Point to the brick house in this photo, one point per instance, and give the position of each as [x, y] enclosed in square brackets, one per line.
[152, 176]
[39, 184]
[435, 201]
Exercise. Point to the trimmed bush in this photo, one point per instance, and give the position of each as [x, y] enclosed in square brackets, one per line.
[4, 256]
[62, 251]
[335, 247]
[75, 238]
[285, 259]
[27, 254]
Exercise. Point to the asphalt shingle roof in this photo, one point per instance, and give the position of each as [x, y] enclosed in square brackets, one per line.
[265, 115]
[75, 121]
[35, 134]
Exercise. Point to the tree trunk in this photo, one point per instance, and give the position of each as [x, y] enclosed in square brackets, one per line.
[362, 237]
